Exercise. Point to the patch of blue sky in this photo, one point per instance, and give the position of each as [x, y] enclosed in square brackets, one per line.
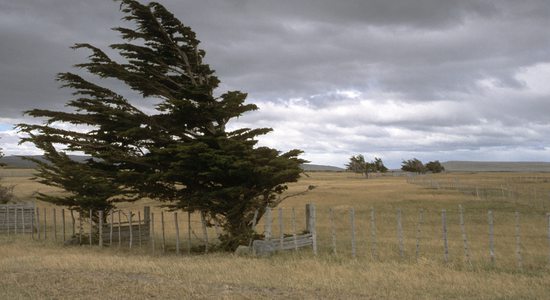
[4, 126]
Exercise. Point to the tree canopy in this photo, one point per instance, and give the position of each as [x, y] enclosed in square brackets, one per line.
[413, 165]
[435, 167]
[181, 153]
[358, 164]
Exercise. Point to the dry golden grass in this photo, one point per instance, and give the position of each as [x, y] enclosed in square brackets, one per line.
[47, 271]
[43, 269]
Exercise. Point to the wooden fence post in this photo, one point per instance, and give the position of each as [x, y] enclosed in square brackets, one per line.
[111, 228]
[313, 227]
[518, 243]
[91, 228]
[73, 222]
[45, 224]
[119, 230]
[177, 232]
[38, 223]
[445, 242]
[163, 232]
[373, 234]
[63, 224]
[139, 228]
[188, 232]
[419, 232]
[281, 229]
[464, 237]
[491, 237]
[294, 229]
[100, 229]
[400, 234]
[204, 232]
[254, 221]
[15, 220]
[32, 223]
[131, 241]
[267, 225]
[152, 233]
[54, 224]
[332, 230]
[352, 223]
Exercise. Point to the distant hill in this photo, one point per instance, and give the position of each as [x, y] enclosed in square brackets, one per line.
[496, 166]
[18, 162]
[311, 167]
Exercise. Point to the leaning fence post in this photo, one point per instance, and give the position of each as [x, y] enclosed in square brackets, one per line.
[373, 233]
[332, 230]
[445, 242]
[491, 237]
[464, 237]
[254, 221]
[419, 232]
[518, 243]
[100, 229]
[45, 224]
[73, 220]
[177, 232]
[400, 234]
[352, 223]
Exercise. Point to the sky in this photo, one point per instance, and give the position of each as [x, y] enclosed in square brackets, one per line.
[396, 79]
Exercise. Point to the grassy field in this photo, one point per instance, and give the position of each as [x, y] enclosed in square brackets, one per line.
[44, 269]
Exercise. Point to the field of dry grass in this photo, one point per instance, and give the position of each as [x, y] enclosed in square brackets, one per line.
[44, 269]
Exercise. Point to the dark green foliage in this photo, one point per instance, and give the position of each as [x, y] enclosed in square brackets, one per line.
[435, 167]
[413, 165]
[358, 164]
[6, 192]
[181, 153]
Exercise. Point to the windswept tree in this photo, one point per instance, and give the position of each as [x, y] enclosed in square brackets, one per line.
[435, 167]
[358, 164]
[6, 192]
[413, 165]
[181, 153]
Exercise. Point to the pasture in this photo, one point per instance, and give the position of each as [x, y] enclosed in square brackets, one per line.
[405, 258]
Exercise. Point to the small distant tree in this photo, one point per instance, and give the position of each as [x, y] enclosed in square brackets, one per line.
[358, 164]
[413, 165]
[435, 167]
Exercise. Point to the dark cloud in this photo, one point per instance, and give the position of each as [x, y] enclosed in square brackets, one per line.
[424, 75]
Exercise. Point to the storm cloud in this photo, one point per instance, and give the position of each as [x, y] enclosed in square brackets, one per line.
[445, 80]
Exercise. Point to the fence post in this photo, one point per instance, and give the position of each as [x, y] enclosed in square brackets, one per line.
[45, 224]
[400, 234]
[281, 229]
[100, 229]
[91, 228]
[23, 220]
[54, 224]
[313, 227]
[163, 232]
[254, 221]
[38, 224]
[188, 232]
[464, 237]
[267, 225]
[15, 220]
[119, 230]
[419, 232]
[32, 223]
[352, 223]
[139, 228]
[332, 230]
[73, 220]
[152, 233]
[177, 233]
[445, 242]
[63, 224]
[111, 228]
[204, 232]
[131, 241]
[491, 237]
[373, 234]
[294, 229]
[518, 243]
